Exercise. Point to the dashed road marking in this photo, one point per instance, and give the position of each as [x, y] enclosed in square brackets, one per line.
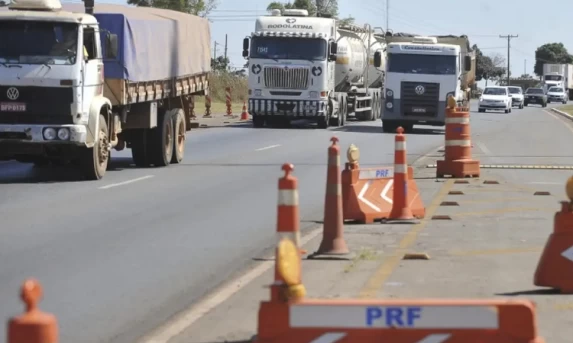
[126, 182]
[268, 147]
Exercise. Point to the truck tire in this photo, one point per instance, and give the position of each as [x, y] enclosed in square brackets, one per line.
[161, 140]
[325, 120]
[140, 148]
[179, 131]
[94, 161]
[374, 105]
[258, 121]
[337, 122]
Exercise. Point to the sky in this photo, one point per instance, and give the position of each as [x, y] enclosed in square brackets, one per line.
[483, 21]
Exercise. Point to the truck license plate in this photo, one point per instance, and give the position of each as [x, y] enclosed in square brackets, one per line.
[12, 107]
[419, 110]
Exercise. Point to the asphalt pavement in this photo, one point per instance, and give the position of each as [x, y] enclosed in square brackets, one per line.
[120, 256]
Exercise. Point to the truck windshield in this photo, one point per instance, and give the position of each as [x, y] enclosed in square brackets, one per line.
[534, 91]
[38, 42]
[313, 49]
[422, 64]
[555, 90]
[514, 90]
[552, 77]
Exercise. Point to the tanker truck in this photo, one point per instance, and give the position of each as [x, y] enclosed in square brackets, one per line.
[75, 85]
[303, 67]
[421, 73]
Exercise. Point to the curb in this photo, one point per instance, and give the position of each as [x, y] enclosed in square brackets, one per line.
[563, 114]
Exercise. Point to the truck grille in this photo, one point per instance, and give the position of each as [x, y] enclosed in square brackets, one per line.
[44, 105]
[291, 78]
[425, 104]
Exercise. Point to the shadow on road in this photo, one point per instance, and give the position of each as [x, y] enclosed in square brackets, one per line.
[540, 291]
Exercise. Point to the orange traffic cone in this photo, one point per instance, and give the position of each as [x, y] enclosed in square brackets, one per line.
[34, 326]
[333, 242]
[401, 210]
[555, 268]
[244, 113]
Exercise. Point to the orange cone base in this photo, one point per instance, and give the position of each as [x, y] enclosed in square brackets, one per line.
[334, 247]
[415, 209]
[554, 270]
[458, 168]
[244, 116]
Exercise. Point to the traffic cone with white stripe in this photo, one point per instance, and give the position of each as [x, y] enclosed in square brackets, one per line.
[401, 210]
[244, 113]
[333, 242]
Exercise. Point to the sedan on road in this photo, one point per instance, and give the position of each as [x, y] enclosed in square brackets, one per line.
[495, 98]
[557, 94]
[535, 96]
[516, 96]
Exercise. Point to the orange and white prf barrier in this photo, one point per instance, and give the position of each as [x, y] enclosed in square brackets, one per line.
[300, 320]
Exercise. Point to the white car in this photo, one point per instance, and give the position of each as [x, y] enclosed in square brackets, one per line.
[557, 94]
[517, 97]
[495, 98]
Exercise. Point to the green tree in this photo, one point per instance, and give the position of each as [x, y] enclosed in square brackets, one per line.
[297, 4]
[484, 66]
[220, 64]
[526, 76]
[197, 7]
[328, 8]
[550, 53]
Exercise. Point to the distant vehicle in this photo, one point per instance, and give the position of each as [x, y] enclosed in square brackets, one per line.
[495, 98]
[535, 96]
[516, 96]
[557, 94]
[558, 75]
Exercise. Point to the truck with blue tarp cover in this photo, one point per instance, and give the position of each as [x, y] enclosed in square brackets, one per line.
[76, 82]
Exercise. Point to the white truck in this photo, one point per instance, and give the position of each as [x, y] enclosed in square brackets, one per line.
[310, 68]
[559, 75]
[74, 85]
[421, 73]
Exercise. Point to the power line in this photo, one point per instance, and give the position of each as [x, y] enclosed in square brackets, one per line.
[508, 37]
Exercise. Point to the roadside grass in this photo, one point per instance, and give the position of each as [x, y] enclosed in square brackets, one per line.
[567, 109]
[217, 107]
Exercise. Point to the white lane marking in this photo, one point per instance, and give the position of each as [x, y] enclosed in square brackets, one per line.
[268, 147]
[436, 338]
[384, 194]
[484, 148]
[361, 197]
[194, 313]
[331, 337]
[127, 182]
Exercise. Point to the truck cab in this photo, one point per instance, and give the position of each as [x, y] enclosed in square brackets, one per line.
[420, 76]
[51, 82]
[553, 80]
[291, 68]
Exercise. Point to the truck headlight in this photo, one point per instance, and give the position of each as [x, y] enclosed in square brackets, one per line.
[64, 134]
[313, 94]
[389, 105]
[389, 93]
[50, 134]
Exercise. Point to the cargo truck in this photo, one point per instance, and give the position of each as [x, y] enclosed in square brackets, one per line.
[421, 73]
[558, 75]
[74, 85]
[312, 68]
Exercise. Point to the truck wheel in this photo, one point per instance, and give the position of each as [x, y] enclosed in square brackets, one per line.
[258, 121]
[179, 131]
[325, 120]
[374, 108]
[140, 148]
[162, 140]
[94, 161]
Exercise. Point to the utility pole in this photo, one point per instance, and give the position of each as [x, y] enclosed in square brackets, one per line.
[508, 37]
[225, 46]
[387, 15]
[525, 67]
[215, 50]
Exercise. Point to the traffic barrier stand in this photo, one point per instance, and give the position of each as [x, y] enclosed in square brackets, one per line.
[367, 192]
[458, 162]
[207, 107]
[228, 102]
[244, 113]
[333, 242]
[555, 267]
[294, 319]
[34, 326]
[407, 204]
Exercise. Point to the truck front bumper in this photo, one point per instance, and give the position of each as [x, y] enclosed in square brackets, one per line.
[290, 108]
[397, 114]
[34, 134]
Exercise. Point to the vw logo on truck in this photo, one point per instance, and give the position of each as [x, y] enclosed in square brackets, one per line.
[419, 90]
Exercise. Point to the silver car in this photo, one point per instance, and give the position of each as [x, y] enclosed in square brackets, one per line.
[557, 94]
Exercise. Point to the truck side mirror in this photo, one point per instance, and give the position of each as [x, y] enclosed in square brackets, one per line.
[246, 47]
[333, 51]
[377, 59]
[111, 46]
[467, 63]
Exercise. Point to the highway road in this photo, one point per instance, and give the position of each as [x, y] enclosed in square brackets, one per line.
[120, 256]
